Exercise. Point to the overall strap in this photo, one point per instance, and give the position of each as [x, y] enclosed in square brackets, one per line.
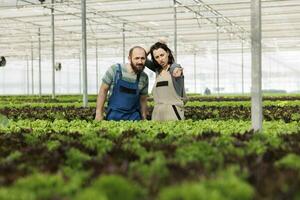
[138, 78]
[118, 74]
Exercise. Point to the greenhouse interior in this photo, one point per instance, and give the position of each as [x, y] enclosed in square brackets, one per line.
[75, 126]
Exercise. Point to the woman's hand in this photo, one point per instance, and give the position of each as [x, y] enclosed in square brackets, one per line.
[177, 72]
[163, 40]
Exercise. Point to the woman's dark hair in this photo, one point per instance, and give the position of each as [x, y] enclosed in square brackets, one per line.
[163, 46]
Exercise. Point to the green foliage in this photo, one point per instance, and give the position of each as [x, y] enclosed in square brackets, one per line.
[278, 103]
[133, 145]
[195, 109]
[152, 169]
[37, 186]
[116, 187]
[93, 142]
[53, 145]
[90, 194]
[226, 186]
[199, 152]
[153, 154]
[76, 158]
[16, 194]
[15, 155]
[230, 185]
[290, 161]
[274, 128]
[189, 191]
[256, 147]
[296, 116]
[45, 186]
[76, 179]
[3, 121]
[32, 139]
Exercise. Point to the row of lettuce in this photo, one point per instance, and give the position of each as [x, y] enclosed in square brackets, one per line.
[93, 98]
[294, 103]
[53, 149]
[70, 108]
[286, 113]
[184, 160]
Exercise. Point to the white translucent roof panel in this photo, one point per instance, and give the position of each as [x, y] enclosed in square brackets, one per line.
[145, 21]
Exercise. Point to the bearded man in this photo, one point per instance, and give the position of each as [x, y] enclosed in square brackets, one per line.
[128, 88]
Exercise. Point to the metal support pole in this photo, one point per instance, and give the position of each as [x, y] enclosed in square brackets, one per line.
[84, 53]
[243, 67]
[27, 73]
[97, 71]
[53, 49]
[175, 30]
[32, 72]
[123, 37]
[40, 66]
[218, 59]
[256, 96]
[195, 78]
[68, 80]
[79, 68]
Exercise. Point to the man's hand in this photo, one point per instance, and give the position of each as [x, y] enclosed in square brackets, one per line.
[100, 101]
[144, 108]
[99, 117]
[144, 117]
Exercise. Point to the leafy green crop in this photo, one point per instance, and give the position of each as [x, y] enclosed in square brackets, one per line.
[226, 186]
[199, 152]
[185, 157]
[291, 161]
[3, 121]
[76, 158]
[116, 187]
[37, 186]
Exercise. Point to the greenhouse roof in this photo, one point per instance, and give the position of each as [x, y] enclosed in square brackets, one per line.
[143, 22]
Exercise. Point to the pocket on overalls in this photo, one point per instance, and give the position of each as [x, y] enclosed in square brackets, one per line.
[117, 115]
[114, 115]
[136, 116]
[128, 100]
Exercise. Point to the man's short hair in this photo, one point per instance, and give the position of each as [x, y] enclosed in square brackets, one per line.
[136, 47]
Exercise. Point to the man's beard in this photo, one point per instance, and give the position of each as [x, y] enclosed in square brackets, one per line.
[137, 68]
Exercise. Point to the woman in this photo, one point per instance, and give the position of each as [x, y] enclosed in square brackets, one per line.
[168, 90]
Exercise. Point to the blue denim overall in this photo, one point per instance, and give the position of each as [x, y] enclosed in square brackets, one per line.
[124, 102]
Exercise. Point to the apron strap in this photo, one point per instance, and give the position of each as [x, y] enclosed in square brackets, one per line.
[137, 82]
[176, 112]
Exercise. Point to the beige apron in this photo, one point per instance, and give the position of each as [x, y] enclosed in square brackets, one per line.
[167, 104]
